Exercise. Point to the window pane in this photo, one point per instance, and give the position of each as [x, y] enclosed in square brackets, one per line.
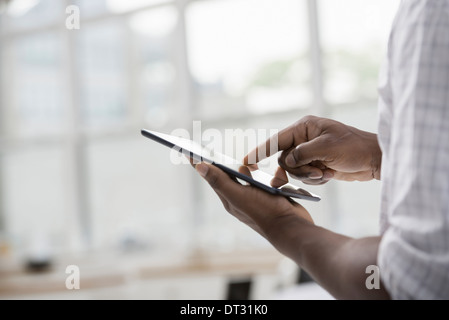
[354, 37]
[95, 7]
[27, 14]
[90, 8]
[34, 90]
[101, 54]
[118, 6]
[35, 197]
[249, 54]
[156, 63]
[138, 196]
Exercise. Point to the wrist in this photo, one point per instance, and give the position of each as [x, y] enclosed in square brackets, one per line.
[376, 158]
[286, 234]
[368, 149]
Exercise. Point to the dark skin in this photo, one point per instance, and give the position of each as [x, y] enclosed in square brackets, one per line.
[314, 150]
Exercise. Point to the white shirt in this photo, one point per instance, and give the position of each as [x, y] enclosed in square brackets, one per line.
[413, 256]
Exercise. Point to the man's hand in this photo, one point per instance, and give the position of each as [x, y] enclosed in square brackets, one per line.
[336, 262]
[316, 150]
[263, 212]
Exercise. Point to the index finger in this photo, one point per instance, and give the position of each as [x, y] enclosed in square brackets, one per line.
[287, 138]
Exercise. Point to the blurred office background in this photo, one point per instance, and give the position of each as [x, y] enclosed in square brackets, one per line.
[79, 185]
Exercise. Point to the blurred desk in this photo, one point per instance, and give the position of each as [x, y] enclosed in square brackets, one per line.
[304, 291]
[146, 276]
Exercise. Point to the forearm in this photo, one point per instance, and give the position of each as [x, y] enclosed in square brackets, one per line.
[338, 263]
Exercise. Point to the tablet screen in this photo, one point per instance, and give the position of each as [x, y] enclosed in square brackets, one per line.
[198, 152]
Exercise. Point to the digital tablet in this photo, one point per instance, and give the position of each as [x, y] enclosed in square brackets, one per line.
[229, 165]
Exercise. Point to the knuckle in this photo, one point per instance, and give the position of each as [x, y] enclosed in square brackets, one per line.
[307, 119]
[307, 124]
[281, 158]
[328, 140]
[297, 153]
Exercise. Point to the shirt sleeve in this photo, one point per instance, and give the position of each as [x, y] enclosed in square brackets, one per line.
[413, 255]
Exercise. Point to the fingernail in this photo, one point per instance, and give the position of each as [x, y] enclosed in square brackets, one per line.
[290, 160]
[202, 169]
[315, 175]
[328, 175]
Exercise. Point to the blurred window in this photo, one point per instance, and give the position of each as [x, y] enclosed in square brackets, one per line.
[72, 162]
[101, 57]
[35, 90]
[249, 55]
[35, 197]
[156, 51]
[354, 38]
[28, 14]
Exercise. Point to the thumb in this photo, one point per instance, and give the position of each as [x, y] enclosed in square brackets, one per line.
[313, 150]
[217, 179]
